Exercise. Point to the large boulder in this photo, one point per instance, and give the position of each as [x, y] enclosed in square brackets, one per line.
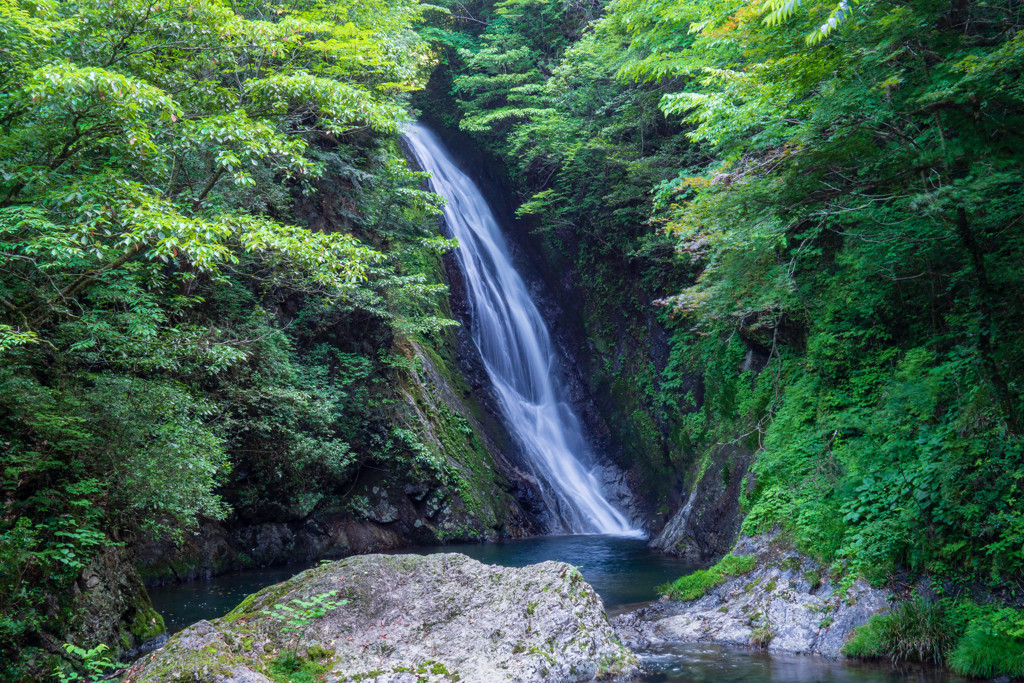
[786, 604]
[407, 618]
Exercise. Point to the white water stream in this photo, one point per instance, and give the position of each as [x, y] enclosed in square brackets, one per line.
[517, 351]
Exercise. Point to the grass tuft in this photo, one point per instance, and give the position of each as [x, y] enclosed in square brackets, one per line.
[761, 637]
[292, 667]
[914, 631]
[973, 640]
[697, 584]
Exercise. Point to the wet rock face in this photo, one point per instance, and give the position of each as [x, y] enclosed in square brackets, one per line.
[408, 617]
[786, 604]
[111, 606]
[708, 522]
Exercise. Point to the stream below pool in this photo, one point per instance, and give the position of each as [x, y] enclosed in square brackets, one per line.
[623, 571]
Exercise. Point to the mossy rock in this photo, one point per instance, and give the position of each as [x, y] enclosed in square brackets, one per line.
[392, 613]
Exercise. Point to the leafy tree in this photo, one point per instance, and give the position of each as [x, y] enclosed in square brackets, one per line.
[840, 188]
[195, 198]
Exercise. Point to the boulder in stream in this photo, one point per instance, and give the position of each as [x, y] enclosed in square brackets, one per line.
[787, 603]
[405, 619]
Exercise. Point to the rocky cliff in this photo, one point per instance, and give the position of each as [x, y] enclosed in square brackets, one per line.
[708, 523]
[484, 493]
[436, 399]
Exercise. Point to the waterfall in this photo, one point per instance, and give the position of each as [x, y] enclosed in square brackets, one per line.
[517, 351]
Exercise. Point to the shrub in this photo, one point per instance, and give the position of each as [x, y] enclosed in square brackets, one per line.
[292, 667]
[991, 646]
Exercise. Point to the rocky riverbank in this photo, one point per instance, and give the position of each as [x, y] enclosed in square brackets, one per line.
[786, 603]
[405, 618]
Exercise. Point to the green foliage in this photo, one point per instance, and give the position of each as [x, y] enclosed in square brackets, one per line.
[973, 640]
[207, 233]
[992, 645]
[914, 631]
[207, 236]
[825, 199]
[95, 662]
[291, 667]
[890, 424]
[779, 11]
[504, 71]
[299, 613]
[700, 582]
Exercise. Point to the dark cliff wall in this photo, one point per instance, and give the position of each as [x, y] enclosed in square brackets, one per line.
[435, 391]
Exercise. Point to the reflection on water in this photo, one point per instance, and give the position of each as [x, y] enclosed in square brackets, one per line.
[703, 663]
[186, 603]
[623, 572]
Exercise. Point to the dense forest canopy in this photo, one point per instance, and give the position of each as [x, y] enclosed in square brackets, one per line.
[846, 206]
[820, 203]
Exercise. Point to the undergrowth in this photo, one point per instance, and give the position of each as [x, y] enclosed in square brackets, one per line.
[914, 631]
[986, 651]
[291, 667]
[970, 639]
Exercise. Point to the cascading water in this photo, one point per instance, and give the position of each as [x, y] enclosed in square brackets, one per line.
[517, 352]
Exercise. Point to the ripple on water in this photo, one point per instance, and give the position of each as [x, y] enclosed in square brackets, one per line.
[706, 663]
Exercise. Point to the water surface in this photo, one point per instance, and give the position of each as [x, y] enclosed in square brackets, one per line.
[623, 571]
[704, 663]
[183, 604]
